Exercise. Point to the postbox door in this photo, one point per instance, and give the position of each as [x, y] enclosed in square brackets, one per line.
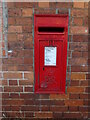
[50, 60]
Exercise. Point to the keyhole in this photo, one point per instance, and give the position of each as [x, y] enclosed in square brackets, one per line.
[43, 68]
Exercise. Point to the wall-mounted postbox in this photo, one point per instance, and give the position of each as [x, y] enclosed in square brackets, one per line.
[50, 53]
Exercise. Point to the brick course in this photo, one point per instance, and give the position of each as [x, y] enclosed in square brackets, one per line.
[18, 98]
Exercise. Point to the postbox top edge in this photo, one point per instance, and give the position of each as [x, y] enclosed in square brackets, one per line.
[51, 15]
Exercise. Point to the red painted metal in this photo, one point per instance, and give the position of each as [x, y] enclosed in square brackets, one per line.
[50, 31]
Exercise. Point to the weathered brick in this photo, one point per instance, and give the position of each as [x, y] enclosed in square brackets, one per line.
[28, 61]
[57, 115]
[79, 30]
[74, 83]
[73, 102]
[43, 115]
[28, 89]
[72, 115]
[59, 96]
[11, 21]
[12, 37]
[12, 75]
[43, 4]
[29, 114]
[13, 89]
[4, 82]
[78, 76]
[15, 29]
[75, 89]
[83, 96]
[27, 12]
[58, 109]
[73, 108]
[13, 102]
[13, 82]
[78, 4]
[14, 95]
[74, 96]
[14, 12]
[79, 13]
[24, 4]
[25, 82]
[77, 21]
[22, 21]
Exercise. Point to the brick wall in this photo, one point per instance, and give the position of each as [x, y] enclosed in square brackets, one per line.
[19, 100]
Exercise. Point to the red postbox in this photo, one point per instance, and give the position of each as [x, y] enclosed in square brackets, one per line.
[50, 53]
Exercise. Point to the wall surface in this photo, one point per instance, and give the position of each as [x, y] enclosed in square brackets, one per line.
[19, 100]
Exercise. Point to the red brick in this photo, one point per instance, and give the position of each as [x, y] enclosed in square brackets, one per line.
[84, 109]
[24, 4]
[28, 53]
[13, 89]
[87, 89]
[73, 102]
[43, 115]
[15, 29]
[84, 83]
[12, 37]
[29, 76]
[14, 114]
[5, 95]
[11, 21]
[13, 102]
[59, 96]
[6, 108]
[22, 21]
[79, 30]
[78, 46]
[13, 82]
[57, 115]
[15, 108]
[83, 96]
[27, 29]
[79, 13]
[45, 96]
[10, 4]
[77, 21]
[43, 4]
[25, 82]
[30, 108]
[28, 61]
[72, 115]
[12, 75]
[14, 95]
[58, 109]
[4, 82]
[74, 96]
[80, 38]
[84, 68]
[74, 82]
[75, 89]
[14, 12]
[64, 4]
[78, 5]
[87, 102]
[78, 76]
[75, 68]
[27, 12]
[73, 108]
[29, 114]
[76, 53]
[26, 95]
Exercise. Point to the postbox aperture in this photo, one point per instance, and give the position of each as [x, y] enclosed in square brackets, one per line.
[50, 53]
